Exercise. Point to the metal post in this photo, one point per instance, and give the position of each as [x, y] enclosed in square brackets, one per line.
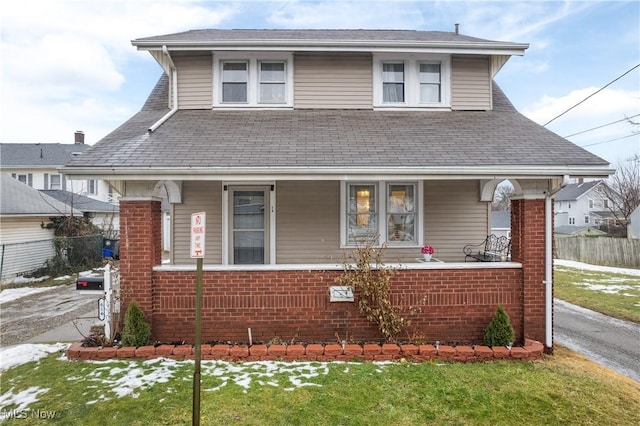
[196, 371]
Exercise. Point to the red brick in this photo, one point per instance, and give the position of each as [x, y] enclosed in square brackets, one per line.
[219, 351]
[464, 353]
[74, 350]
[410, 349]
[126, 352]
[390, 349]
[88, 353]
[277, 350]
[295, 350]
[239, 351]
[332, 350]
[446, 352]
[519, 353]
[258, 350]
[164, 350]
[427, 350]
[314, 350]
[145, 352]
[107, 352]
[500, 352]
[352, 350]
[372, 349]
[183, 350]
[483, 353]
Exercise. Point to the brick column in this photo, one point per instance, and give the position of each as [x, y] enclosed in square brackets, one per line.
[140, 251]
[528, 248]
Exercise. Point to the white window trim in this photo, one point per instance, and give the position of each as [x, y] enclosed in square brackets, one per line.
[225, 218]
[253, 78]
[412, 80]
[381, 200]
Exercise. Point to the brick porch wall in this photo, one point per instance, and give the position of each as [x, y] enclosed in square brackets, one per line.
[458, 303]
[140, 251]
[455, 305]
[527, 238]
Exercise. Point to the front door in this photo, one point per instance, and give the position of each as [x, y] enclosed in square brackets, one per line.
[249, 225]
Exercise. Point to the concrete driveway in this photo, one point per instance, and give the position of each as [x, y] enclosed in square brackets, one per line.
[607, 341]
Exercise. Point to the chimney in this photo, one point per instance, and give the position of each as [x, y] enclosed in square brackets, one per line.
[79, 137]
[457, 29]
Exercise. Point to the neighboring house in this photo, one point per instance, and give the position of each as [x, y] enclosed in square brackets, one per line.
[36, 164]
[103, 215]
[501, 223]
[581, 205]
[301, 144]
[24, 244]
[633, 229]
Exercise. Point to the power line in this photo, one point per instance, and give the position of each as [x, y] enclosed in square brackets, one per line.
[594, 93]
[611, 140]
[600, 127]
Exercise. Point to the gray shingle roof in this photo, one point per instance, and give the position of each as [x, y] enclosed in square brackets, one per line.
[332, 138]
[330, 35]
[38, 154]
[80, 202]
[21, 199]
[575, 190]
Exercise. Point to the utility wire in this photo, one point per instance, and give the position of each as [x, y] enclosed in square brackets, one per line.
[611, 140]
[600, 127]
[594, 93]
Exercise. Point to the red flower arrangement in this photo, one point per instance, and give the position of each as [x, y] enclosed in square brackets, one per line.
[427, 249]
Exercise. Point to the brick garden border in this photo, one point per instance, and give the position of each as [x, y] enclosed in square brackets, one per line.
[531, 350]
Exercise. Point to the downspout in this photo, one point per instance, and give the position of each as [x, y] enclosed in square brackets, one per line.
[548, 253]
[174, 80]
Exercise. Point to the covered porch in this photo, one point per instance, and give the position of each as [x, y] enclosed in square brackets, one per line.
[287, 297]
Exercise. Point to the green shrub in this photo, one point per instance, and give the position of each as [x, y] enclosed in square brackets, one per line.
[499, 332]
[136, 330]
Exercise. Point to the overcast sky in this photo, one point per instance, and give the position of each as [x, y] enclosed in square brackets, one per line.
[69, 65]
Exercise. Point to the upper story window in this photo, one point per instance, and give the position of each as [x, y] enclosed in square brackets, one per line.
[590, 203]
[605, 203]
[92, 187]
[234, 82]
[249, 80]
[26, 178]
[55, 182]
[418, 81]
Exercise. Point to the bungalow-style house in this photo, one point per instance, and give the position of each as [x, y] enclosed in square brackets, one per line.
[24, 244]
[299, 145]
[36, 164]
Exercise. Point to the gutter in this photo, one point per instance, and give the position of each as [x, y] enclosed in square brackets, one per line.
[548, 264]
[174, 79]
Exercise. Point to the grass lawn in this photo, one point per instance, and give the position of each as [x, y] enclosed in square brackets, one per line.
[563, 389]
[616, 295]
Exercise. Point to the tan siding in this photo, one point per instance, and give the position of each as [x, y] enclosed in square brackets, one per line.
[194, 80]
[23, 229]
[470, 83]
[332, 81]
[308, 222]
[198, 196]
[454, 217]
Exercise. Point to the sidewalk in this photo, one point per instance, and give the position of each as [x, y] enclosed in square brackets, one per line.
[72, 331]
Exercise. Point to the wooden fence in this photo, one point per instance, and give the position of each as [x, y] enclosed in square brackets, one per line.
[606, 251]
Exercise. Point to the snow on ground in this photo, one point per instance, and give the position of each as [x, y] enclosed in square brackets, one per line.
[589, 267]
[23, 280]
[11, 294]
[21, 399]
[13, 356]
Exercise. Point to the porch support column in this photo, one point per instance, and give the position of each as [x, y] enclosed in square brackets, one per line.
[528, 248]
[140, 251]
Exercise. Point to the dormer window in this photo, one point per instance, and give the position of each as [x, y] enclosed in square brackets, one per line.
[234, 82]
[249, 80]
[418, 81]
